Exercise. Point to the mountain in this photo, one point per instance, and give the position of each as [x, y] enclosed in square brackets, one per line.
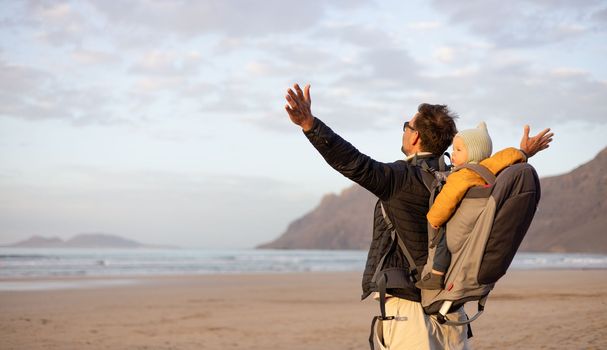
[85, 240]
[339, 222]
[571, 216]
[39, 242]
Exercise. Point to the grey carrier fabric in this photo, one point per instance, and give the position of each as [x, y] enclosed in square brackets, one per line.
[483, 236]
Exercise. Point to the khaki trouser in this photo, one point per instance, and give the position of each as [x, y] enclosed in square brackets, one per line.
[413, 329]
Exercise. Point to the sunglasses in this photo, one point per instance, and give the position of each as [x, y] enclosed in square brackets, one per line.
[407, 125]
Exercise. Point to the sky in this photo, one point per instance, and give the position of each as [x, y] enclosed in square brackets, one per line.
[164, 121]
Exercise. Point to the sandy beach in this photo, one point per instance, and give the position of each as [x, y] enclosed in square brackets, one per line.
[527, 310]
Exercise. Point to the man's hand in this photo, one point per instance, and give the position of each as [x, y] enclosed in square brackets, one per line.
[536, 143]
[298, 106]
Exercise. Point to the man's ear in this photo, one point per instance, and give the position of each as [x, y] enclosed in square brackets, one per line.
[415, 139]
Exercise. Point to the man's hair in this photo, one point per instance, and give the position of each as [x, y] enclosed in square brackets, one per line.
[436, 127]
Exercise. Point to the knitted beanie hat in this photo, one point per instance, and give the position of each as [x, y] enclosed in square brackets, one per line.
[478, 143]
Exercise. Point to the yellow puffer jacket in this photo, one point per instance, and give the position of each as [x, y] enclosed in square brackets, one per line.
[460, 181]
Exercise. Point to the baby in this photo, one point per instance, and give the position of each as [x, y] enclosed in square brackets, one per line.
[469, 146]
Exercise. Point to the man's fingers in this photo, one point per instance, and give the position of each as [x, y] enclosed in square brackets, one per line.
[293, 99]
[535, 143]
[300, 96]
[291, 112]
[544, 139]
[292, 94]
[547, 140]
[290, 102]
[526, 132]
[525, 138]
[543, 132]
[298, 90]
[307, 94]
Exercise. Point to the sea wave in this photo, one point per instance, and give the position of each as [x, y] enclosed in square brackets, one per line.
[134, 262]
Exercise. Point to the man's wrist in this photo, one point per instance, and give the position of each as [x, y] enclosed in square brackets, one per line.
[308, 125]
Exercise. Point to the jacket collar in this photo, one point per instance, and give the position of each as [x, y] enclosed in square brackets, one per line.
[417, 155]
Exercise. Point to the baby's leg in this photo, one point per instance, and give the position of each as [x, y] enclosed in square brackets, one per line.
[442, 257]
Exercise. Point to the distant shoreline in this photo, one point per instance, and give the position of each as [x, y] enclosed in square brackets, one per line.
[83, 241]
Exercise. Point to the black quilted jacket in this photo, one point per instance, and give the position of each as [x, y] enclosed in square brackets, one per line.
[400, 188]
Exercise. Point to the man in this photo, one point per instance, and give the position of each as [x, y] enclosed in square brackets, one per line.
[399, 187]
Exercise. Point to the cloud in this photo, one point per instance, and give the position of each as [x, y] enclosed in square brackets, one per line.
[358, 34]
[94, 58]
[250, 54]
[425, 25]
[504, 86]
[600, 16]
[147, 24]
[56, 23]
[15, 78]
[388, 66]
[168, 63]
[235, 19]
[242, 67]
[444, 54]
[363, 89]
[522, 23]
[517, 91]
[32, 94]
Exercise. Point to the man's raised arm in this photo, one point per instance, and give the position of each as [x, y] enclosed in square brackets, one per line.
[342, 156]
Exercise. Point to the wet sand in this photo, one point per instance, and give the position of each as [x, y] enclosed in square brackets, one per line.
[527, 310]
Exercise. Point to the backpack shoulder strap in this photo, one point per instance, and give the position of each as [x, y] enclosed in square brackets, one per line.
[434, 180]
[401, 244]
[428, 177]
[481, 170]
[442, 166]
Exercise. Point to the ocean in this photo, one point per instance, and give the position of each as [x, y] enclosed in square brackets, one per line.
[39, 263]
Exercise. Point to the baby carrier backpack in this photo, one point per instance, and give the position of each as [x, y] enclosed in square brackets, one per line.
[483, 236]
